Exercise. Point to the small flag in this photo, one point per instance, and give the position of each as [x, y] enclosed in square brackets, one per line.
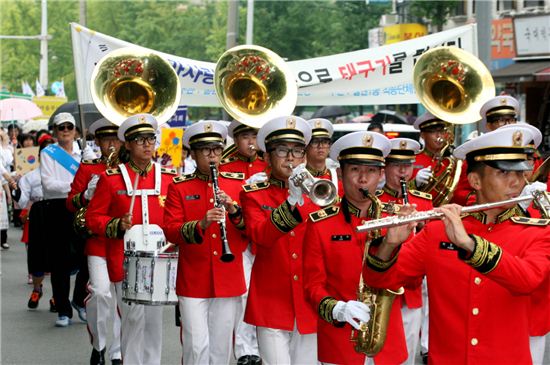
[26, 88]
[39, 89]
[61, 91]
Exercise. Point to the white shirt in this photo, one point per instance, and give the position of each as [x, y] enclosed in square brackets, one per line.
[30, 186]
[56, 180]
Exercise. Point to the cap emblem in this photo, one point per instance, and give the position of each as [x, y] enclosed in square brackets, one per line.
[291, 123]
[141, 119]
[208, 127]
[367, 140]
[517, 138]
[503, 101]
[403, 145]
[318, 124]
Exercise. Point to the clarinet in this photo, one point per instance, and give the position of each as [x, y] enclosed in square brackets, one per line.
[227, 255]
[404, 191]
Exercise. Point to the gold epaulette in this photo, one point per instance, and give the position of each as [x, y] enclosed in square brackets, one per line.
[91, 162]
[256, 186]
[115, 171]
[182, 178]
[166, 170]
[324, 213]
[421, 194]
[379, 192]
[531, 221]
[228, 160]
[232, 175]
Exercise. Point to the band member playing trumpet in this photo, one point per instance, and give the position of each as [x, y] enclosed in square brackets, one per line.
[317, 152]
[275, 213]
[242, 156]
[208, 288]
[333, 254]
[101, 305]
[481, 268]
[395, 193]
[109, 216]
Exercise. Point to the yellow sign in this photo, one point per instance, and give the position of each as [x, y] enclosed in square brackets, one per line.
[170, 146]
[402, 32]
[48, 104]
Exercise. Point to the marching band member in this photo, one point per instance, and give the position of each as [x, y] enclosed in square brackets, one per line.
[433, 131]
[481, 269]
[101, 304]
[108, 215]
[333, 255]
[317, 152]
[275, 212]
[244, 158]
[208, 289]
[499, 111]
[58, 165]
[399, 168]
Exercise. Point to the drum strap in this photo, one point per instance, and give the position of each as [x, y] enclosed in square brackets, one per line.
[143, 194]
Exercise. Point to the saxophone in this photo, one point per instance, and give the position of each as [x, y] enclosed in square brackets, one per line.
[370, 338]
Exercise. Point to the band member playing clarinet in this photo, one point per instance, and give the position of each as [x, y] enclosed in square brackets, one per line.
[109, 215]
[333, 255]
[209, 283]
[482, 266]
[275, 213]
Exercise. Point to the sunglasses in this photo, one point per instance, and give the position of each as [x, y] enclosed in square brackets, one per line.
[67, 126]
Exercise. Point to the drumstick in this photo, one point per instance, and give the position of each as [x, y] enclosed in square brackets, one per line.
[131, 212]
[166, 247]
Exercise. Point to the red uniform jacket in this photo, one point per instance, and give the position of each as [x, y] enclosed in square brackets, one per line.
[201, 273]
[478, 307]
[332, 266]
[238, 163]
[95, 246]
[276, 295]
[413, 294]
[111, 202]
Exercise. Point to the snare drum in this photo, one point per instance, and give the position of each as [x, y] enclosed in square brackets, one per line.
[150, 278]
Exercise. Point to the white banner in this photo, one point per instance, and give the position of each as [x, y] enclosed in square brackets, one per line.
[381, 75]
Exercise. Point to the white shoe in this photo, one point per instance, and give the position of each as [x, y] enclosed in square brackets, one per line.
[62, 321]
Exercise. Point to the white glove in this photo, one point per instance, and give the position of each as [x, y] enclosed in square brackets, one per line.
[257, 177]
[528, 190]
[89, 193]
[353, 312]
[89, 153]
[295, 192]
[423, 176]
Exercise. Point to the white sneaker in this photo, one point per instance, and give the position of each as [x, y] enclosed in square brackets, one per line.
[81, 312]
[62, 321]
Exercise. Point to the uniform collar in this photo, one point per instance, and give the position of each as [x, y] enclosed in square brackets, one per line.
[349, 209]
[274, 181]
[201, 176]
[390, 191]
[316, 173]
[246, 159]
[139, 171]
[502, 217]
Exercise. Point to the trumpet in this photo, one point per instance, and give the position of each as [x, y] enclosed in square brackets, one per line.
[395, 221]
[321, 192]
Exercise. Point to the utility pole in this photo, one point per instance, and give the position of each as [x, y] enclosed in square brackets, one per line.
[232, 23]
[44, 45]
[250, 22]
[82, 12]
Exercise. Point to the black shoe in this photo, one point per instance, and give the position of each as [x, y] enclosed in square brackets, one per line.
[116, 362]
[424, 358]
[98, 357]
[255, 360]
[35, 297]
[53, 309]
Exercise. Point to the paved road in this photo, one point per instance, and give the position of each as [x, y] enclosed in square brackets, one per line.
[30, 337]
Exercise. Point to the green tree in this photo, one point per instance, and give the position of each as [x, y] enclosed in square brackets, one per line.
[436, 12]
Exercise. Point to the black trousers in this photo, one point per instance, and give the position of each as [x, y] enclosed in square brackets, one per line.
[66, 256]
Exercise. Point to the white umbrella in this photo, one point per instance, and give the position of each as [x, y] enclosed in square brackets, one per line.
[18, 109]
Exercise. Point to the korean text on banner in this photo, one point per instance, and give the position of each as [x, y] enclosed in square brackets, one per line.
[381, 75]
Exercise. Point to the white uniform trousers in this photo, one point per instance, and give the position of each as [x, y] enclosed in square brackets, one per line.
[285, 347]
[101, 308]
[246, 342]
[425, 328]
[207, 329]
[537, 345]
[412, 319]
[141, 335]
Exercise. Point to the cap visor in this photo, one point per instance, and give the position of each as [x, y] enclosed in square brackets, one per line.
[510, 165]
